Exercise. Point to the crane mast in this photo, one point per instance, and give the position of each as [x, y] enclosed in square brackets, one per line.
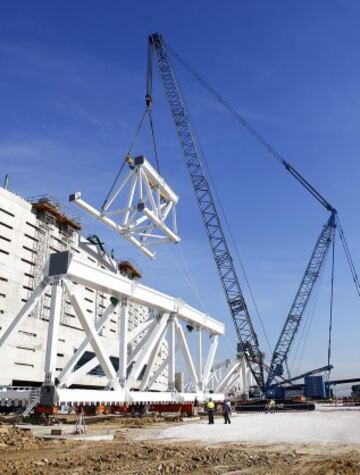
[301, 300]
[248, 345]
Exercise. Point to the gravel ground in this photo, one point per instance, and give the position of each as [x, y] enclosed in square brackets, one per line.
[22, 454]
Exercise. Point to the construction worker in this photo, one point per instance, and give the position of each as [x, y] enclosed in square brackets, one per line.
[271, 406]
[227, 411]
[196, 407]
[210, 406]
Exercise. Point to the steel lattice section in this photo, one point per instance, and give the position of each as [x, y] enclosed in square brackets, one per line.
[301, 300]
[246, 335]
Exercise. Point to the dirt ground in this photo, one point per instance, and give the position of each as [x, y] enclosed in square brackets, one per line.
[22, 454]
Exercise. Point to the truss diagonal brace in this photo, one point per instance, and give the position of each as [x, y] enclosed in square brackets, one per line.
[25, 310]
[65, 376]
[91, 332]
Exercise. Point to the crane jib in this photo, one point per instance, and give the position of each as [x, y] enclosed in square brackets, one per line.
[248, 341]
[301, 300]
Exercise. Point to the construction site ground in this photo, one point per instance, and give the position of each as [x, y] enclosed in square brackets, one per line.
[254, 444]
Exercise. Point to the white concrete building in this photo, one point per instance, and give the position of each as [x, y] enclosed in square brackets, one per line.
[29, 232]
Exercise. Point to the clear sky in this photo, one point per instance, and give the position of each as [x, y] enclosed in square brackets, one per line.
[72, 86]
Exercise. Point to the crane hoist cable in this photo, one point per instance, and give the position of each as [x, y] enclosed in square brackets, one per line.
[127, 156]
[300, 178]
[305, 183]
[304, 337]
[331, 310]
[226, 221]
[348, 256]
[147, 112]
[248, 345]
[235, 247]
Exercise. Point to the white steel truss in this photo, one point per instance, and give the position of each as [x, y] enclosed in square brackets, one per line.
[148, 217]
[232, 378]
[133, 381]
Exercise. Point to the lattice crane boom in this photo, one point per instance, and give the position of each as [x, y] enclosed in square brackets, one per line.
[301, 300]
[247, 338]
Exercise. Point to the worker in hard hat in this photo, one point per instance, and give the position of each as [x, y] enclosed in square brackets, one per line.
[227, 411]
[271, 406]
[210, 406]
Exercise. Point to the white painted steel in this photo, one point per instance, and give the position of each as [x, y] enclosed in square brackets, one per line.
[53, 331]
[111, 224]
[149, 365]
[91, 332]
[210, 359]
[142, 221]
[123, 341]
[171, 355]
[122, 397]
[65, 375]
[136, 370]
[25, 311]
[186, 353]
[199, 361]
[147, 349]
[229, 373]
[121, 286]
[156, 180]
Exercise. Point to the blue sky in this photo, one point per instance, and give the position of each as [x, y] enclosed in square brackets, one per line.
[72, 87]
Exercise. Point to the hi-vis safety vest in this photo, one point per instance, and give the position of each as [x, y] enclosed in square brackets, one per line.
[210, 405]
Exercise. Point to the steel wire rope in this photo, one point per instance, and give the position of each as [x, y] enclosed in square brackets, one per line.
[310, 316]
[274, 153]
[154, 142]
[126, 158]
[307, 328]
[188, 279]
[227, 224]
[348, 256]
[307, 185]
[148, 101]
[187, 270]
[331, 300]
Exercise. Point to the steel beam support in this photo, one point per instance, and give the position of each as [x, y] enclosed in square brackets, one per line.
[66, 377]
[210, 359]
[171, 353]
[134, 353]
[111, 224]
[53, 331]
[121, 287]
[149, 366]
[123, 341]
[199, 356]
[25, 310]
[222, 384]
[186, 353]
[147, 349]
[90, 331]
[135, 332]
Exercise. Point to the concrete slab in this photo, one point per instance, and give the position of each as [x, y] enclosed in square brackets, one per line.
[337, 427]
